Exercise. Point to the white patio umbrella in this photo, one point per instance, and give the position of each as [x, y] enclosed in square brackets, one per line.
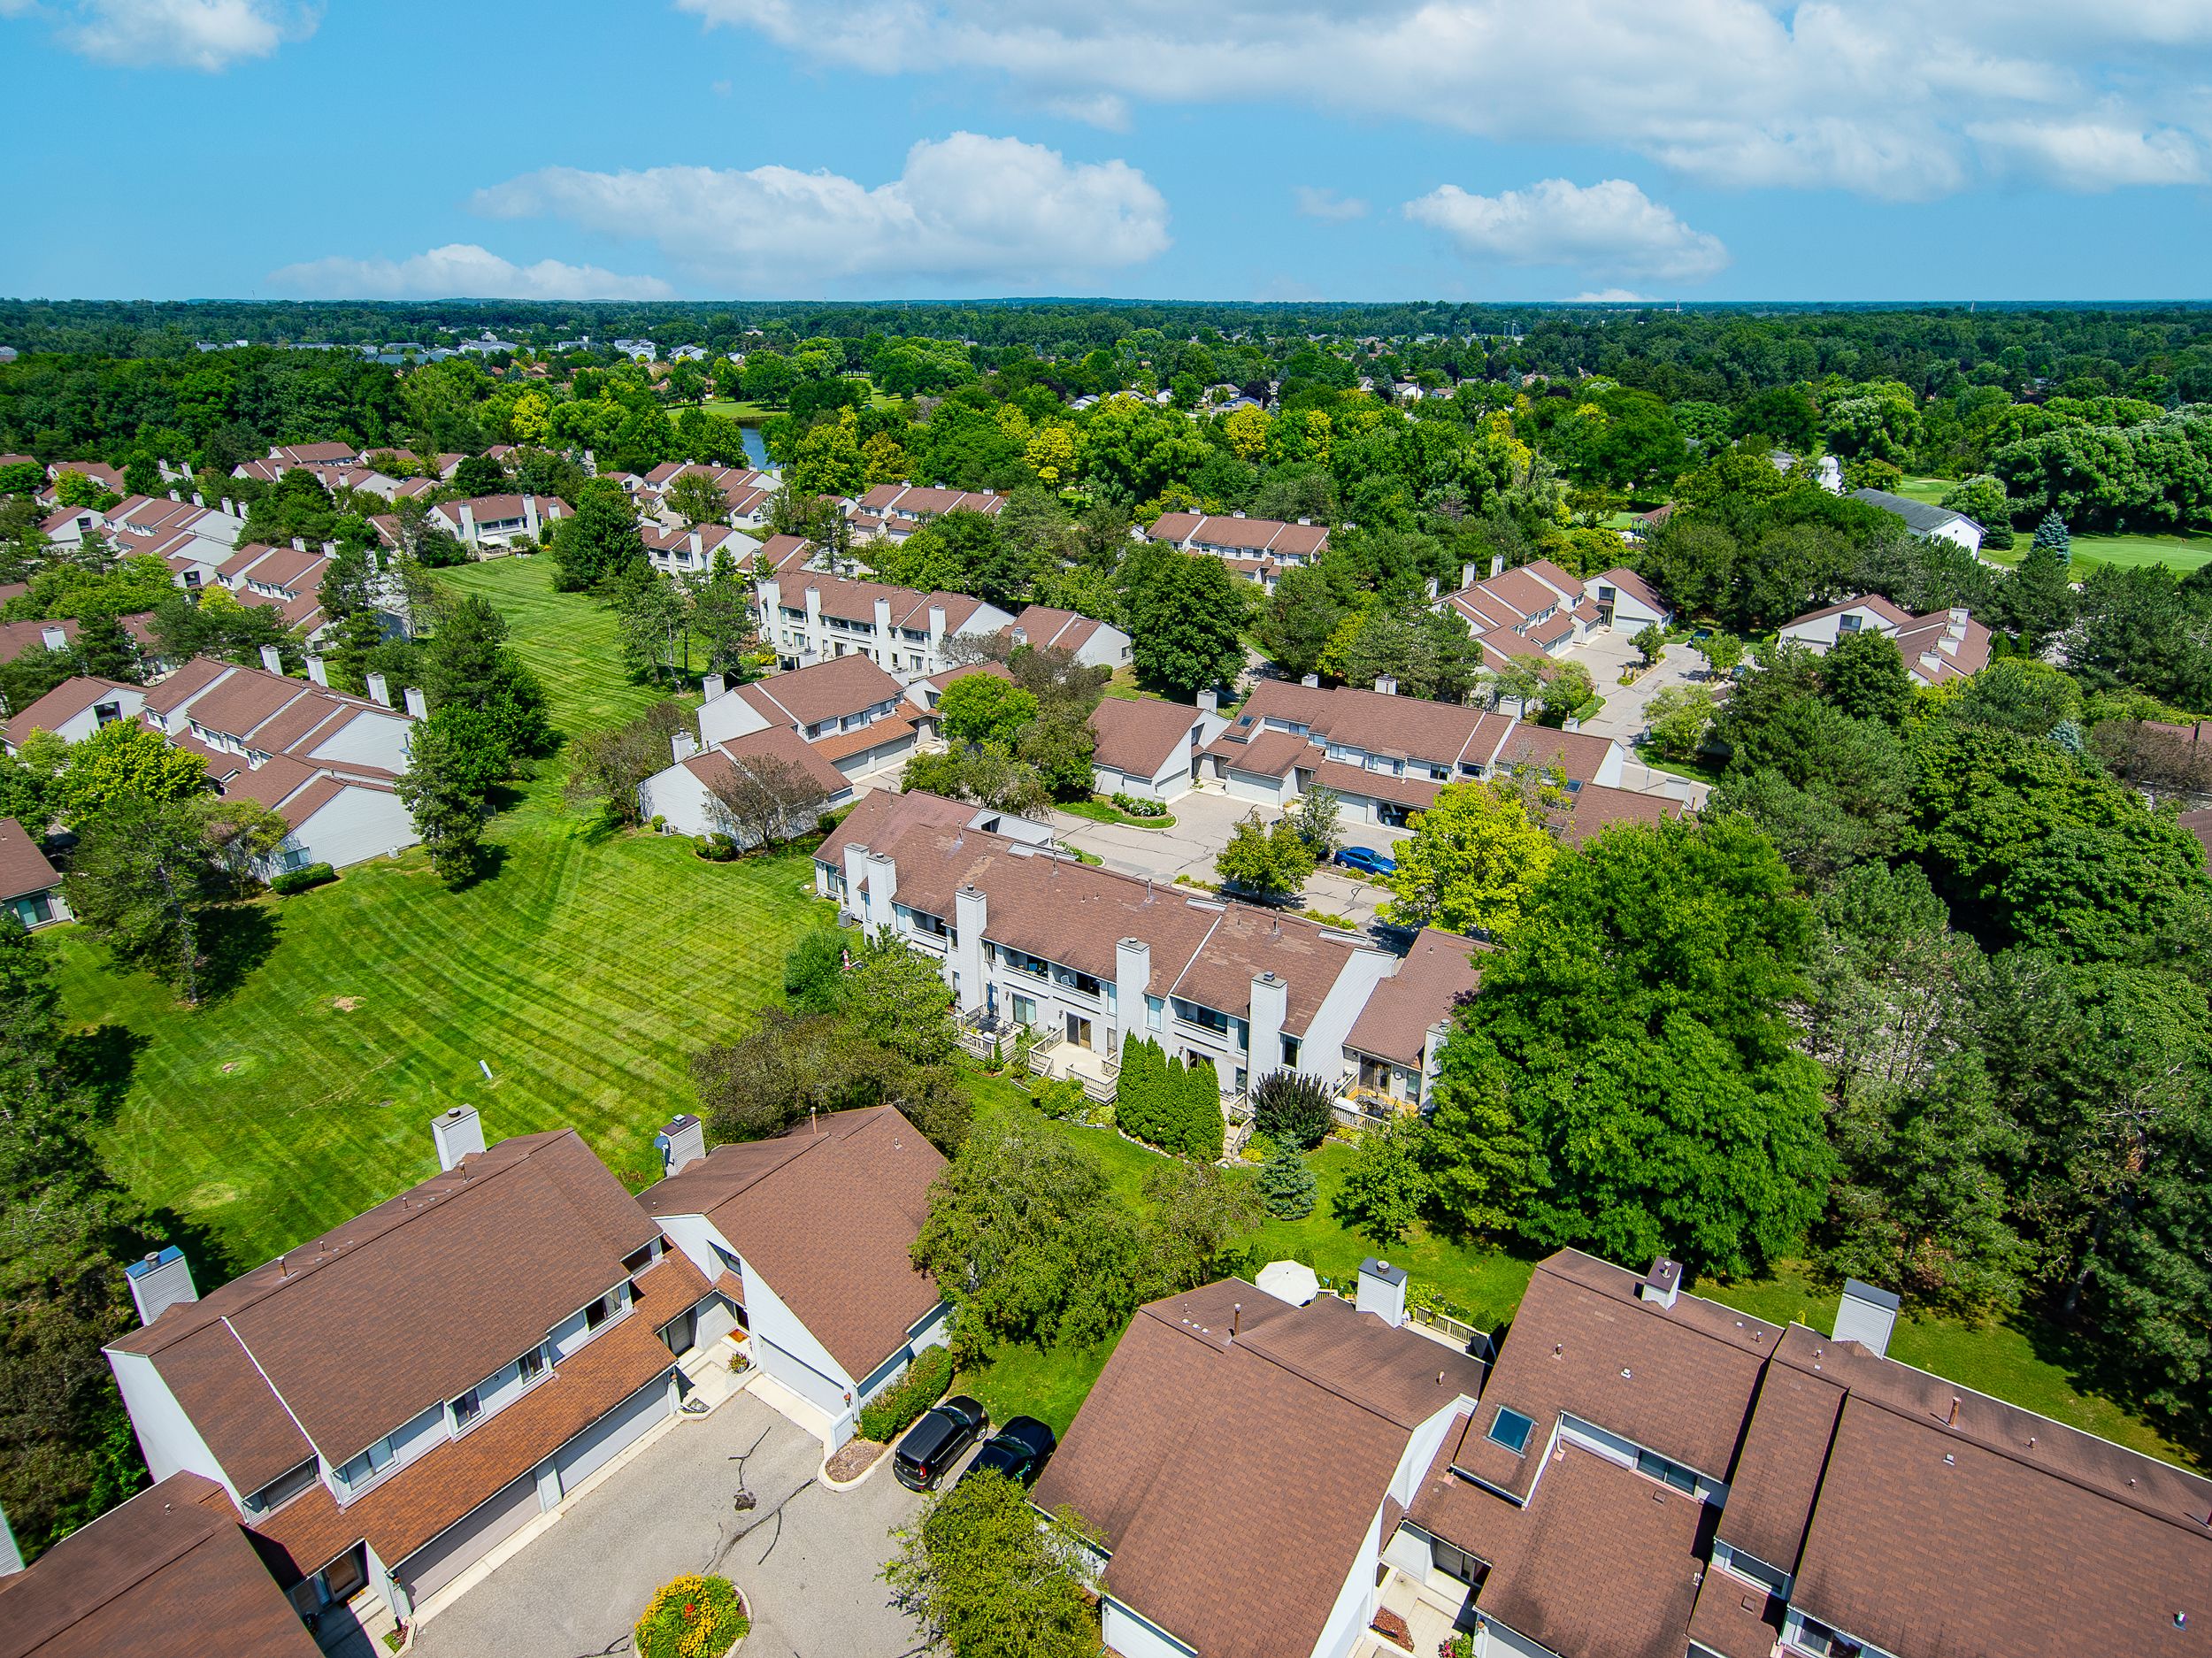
[1289, 1281]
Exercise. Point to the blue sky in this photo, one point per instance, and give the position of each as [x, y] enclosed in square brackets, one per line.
[1847, 150]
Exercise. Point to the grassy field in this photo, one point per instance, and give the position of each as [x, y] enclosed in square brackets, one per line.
[584, 973]
[2183, 553]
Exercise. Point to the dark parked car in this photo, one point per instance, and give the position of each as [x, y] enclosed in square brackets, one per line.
[1018, 1450]
[1366, 861]
[934, 1444]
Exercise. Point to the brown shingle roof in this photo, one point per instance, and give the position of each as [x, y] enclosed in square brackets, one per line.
[17, 637]
[1046, 628]
[1235, 1476]
[778, 742]
[59, 705]
[432, 1290]
[1596, 807]
[835, 688]
[23, 867]
[167, 1573]
[827, 1214]
[1394, 1023]
[1140, 736]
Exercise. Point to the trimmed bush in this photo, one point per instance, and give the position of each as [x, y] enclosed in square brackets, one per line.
[716, 849]
[300, 879]
[891, 1412]
[1292, 1107]
[1201, 1126]
[693, 1617]
[1138, 806]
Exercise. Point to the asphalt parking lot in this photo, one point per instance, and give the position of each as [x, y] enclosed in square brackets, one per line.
[806, 1557]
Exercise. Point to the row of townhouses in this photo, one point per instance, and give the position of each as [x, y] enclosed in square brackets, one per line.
[1089, 957]
[1258, 550]
[343, 1431]
[1938, 647]
[893, 511]
[1538, 609]
[1640, 1473]
[324, 762]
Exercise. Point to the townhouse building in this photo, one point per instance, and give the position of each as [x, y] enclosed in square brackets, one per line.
[1093, 643]
[384, 1404]
[895, 511]
[169, 1571]
[1145, 746]
[1924, 520]
[833, 721]
[487, 522]
[1258, 550]
[806, 1238]
[689, 551]
[807, 618]
[1245, 1458]
[1940, 647]
[1385, 755]
[1535, 609]
[1090, 958]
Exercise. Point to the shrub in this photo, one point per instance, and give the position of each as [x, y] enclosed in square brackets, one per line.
[660, 824]
[1202, 1130]
[716, 849]
[891, 1412]
[300, 879]
[1138, 806]
[692, 1616]
[1063, 1099]
[1292, 1107]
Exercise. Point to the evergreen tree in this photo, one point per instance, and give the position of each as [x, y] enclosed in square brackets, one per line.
[1287, 1186]
[2054, 534]
[105, 650]
[467, 662]
[2036, 598]
[444, 788]
[1199, 1127]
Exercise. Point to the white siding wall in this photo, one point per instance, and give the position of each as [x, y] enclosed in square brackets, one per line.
[379, 740]
[788, 1350]
[358, 824]
[1321, 1053]
[729, 716]
[679, 796]
[1131, 1637]
[165, 1434]
[1355, 1606]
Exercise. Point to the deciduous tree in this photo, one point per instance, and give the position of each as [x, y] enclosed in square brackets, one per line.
[1474, 858]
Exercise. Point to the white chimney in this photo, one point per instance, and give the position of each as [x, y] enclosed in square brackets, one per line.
[713, 685]
[458, 1133]
[1311, 681]
[1866, 1316]
[683, 745]
[1382, 1291]
[1388, 685]
[1432, 587]
[160, 1281]
[1466, 575]
[380, 689]
[52, 637]
[229, 509]
[299, 543]
[1497, 564]
[682, 1143]
[318, 671]
[1662, 1283]
[1209, 702]
[417, 704]
[273, 659]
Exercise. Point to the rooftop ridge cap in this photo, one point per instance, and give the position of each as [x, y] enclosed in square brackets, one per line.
[2191, 1523]
[277, 1394]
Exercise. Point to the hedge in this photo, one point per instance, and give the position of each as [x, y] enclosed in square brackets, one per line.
[891, 1412]
[300, 879]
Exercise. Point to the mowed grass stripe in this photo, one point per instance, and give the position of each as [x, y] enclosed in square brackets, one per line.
[585, 972]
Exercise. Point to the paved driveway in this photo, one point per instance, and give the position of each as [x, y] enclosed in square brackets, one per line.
[1622, 718]
[577, 1589]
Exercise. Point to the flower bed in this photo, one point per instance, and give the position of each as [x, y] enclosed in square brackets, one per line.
[693, 1617]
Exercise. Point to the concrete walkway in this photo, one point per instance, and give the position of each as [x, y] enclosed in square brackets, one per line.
[806, 1557]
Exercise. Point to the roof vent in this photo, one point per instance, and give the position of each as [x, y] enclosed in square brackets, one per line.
[1866, 1316]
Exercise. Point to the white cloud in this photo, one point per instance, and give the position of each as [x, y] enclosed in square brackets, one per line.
[1608, 228]
[1886, 98]
[205, 35]
[966, 208]
[2093, 155]
[1316, 202]
[1608, 296]
[461, 271]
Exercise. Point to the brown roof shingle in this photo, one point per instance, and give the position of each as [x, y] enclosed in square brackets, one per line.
[23, 867]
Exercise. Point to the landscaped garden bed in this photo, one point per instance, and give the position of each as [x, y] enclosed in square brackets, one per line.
[854, 1458]
[1100, 810]
[693, 1617]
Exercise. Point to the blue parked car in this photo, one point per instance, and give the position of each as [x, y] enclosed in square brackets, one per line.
[1366, 861]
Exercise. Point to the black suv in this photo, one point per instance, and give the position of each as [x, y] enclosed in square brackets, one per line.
[1018, 1450]
[934, 1444]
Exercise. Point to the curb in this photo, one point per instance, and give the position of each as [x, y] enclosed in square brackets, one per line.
[867, 1473]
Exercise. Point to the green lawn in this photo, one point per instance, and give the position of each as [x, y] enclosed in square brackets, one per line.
[584, 973]
[569, 641]
[2183, 553]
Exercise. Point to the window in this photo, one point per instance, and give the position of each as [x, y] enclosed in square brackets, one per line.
[599, 1312]
[1025, 1009]
[1035, 966]
[467, 1407]
[1205, 1019]
[726, 1258]
[1665, 1472]
[638, 1260]
[1511, 1429]
[282, 1489]
[1152, 1009]
[531, 1365]
[1290, 1051]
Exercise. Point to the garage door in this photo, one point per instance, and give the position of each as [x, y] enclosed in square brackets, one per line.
[467, 1540]
[598, 1445]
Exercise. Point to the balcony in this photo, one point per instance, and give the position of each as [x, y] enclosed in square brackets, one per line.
[1061, 1058]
